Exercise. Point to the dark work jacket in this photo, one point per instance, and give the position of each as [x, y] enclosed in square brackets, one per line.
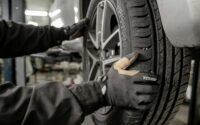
[46, 104]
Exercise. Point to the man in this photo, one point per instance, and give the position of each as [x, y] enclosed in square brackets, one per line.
[53, 103]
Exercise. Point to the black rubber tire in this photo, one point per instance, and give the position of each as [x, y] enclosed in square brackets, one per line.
[142, 31]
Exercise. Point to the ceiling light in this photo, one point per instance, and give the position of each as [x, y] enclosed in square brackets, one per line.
[35, 13]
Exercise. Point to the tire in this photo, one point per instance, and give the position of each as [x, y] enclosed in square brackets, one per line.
[141, 31]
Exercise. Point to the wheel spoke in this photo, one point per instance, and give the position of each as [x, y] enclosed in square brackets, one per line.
[99, 15]
[93, 71]
[93, 56]
[111, 60]
[111, 41]
[94, 67]
[106, 18]
[109, 63]
[93, 40]
[104, 21]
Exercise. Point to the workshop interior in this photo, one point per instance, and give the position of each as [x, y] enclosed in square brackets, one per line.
[165, 32]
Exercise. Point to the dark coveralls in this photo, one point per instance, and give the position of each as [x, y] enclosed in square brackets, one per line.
[47, 104]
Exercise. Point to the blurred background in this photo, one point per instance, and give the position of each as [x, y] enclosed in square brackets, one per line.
[62, 64]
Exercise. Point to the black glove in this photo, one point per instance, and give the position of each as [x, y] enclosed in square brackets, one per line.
[122, 88]
[76, 30]
[129, 88]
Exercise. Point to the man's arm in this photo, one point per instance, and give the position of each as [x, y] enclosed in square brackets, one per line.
[18, 39]
[53, 103]
[47, 104]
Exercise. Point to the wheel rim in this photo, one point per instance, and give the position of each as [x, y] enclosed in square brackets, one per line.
[104, 44]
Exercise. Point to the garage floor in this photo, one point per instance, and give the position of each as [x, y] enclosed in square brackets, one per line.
[180, 119]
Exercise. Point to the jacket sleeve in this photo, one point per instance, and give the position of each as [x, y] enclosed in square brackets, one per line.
[19, 40]
[47, 104]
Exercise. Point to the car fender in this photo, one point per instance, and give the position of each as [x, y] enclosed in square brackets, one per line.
[181, 21]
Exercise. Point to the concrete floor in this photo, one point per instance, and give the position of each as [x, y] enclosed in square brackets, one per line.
[182, 116]
[180, 119]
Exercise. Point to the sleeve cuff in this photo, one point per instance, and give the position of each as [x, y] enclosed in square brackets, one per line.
[89, 96]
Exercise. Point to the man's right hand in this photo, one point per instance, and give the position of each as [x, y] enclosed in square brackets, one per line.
[130, 88]
[76, 30]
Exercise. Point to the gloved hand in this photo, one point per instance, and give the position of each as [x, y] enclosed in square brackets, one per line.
[121, 87]
[129, 88]
[76, 30]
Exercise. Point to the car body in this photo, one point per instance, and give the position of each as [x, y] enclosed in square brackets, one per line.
[181, 21]
[179, 17]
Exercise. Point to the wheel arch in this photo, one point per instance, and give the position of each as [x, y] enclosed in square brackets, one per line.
[181, 21]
